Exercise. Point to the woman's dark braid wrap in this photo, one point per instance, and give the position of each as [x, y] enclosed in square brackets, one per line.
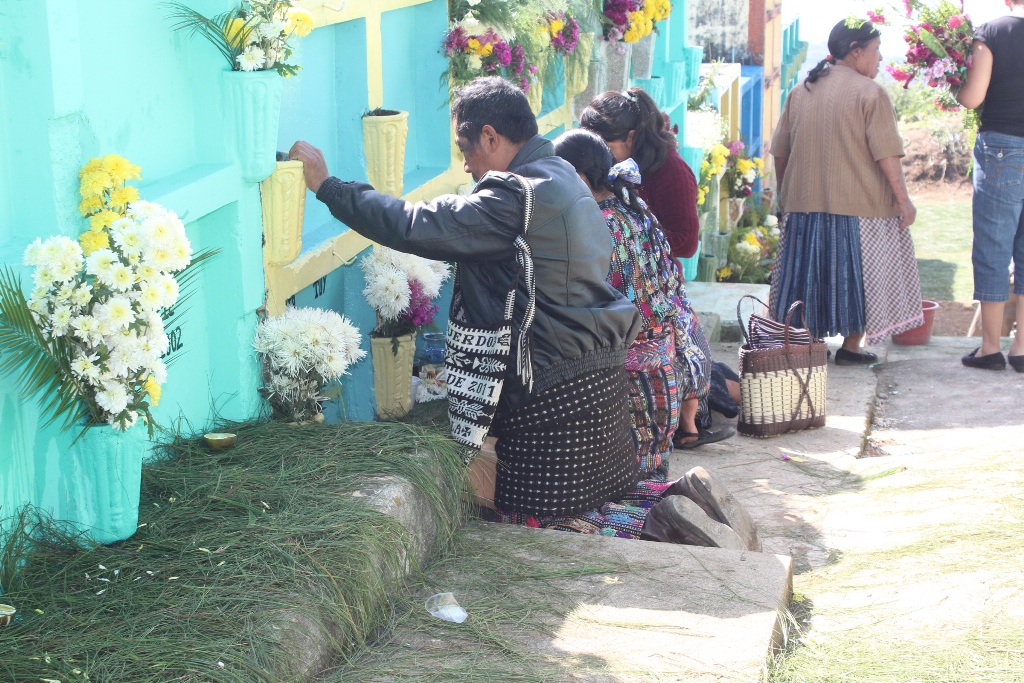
[592, 159]
[842, 41]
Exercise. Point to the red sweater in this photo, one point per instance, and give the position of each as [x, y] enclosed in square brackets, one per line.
[671, 195]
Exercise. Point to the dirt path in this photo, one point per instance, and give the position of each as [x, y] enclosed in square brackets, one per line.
[910, 561]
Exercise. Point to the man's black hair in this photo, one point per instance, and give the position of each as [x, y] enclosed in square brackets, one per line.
[493, 101]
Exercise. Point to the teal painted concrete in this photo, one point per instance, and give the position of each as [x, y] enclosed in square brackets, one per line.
[74, 84]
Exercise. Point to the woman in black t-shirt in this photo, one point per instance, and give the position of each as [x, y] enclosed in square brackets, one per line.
[996, 79]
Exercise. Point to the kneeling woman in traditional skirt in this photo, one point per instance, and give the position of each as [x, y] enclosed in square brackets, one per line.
[845, 249]
[665, 366]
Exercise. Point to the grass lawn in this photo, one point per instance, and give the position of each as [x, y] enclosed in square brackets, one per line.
[942, 238]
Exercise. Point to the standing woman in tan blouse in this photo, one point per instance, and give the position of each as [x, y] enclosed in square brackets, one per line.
[845, 250]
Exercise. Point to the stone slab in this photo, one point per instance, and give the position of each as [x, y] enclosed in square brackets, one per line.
[781, 480]
[720, 298]
[668, 612]
[711, 324]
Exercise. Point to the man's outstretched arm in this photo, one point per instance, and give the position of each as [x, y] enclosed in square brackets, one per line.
[481, 227]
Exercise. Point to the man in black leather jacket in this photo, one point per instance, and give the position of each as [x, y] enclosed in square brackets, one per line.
[582, 325]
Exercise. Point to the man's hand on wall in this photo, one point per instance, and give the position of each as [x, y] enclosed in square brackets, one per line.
[314, 168]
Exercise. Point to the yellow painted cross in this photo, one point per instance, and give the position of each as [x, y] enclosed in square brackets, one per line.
[329, 12]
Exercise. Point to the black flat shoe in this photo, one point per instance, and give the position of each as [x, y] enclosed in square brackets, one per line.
[1017, 362]
[993, 361]
[844, 357]
[706, 437]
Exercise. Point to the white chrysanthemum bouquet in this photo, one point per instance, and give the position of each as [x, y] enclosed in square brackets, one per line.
[255, 36]
[301, 352]
[91, 335]
[402, 288]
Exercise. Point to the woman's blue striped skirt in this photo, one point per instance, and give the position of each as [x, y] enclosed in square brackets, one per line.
[819, 263]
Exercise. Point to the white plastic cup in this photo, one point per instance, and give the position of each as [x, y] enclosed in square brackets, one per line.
[444, 606]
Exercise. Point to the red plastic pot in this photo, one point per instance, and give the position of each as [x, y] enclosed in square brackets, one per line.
[922, 334]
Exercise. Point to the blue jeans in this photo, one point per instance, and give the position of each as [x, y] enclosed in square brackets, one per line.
[998, 216]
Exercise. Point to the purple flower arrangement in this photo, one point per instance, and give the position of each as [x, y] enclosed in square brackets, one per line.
[421, 310]
[617, 13]
[565, 33]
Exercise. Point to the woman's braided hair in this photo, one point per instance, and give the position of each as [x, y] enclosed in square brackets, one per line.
[843, 40]
[592, 159]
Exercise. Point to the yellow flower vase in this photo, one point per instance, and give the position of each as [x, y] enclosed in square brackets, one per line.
[283, 195]
[392, 374]
[384, 139]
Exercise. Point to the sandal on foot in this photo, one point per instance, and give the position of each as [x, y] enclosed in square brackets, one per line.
[683, 435]
[1017, 362]
[708, 436]
[844, 357]
[993, 361]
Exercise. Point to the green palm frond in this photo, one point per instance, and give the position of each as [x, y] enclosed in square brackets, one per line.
[187, 288]
[213, 29]
[45, 367]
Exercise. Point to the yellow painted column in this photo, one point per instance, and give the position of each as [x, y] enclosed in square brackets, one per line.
[374, 61]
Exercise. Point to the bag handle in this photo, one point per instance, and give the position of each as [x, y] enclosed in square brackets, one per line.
[805, 384]
[788, 324]
[739, 316]
[524, 357]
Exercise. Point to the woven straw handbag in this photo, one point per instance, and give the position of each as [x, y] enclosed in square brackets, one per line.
[783, 376]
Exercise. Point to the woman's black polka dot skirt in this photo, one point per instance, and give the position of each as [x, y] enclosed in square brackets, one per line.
[570, 449]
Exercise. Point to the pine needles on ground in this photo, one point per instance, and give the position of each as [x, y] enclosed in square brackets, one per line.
[511, 590]
[237, 552]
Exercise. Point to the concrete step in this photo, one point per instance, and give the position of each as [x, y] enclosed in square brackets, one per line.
[711, 324]
[673, 612]
[720, 298]
[655, 612]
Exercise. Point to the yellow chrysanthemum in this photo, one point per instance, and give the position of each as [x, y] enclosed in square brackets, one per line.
[724, 273]
[759, 163]
[90, 205]
[103, 219]
[91, 240]
[705, 166]
[658, 10]
[94, 184]
[751, 238]
[120, 197]
[744, 165]
[702, 195]
[154, 391]
[120, 169]
[556, 27]
[235, 32]
[91, 166]
[300, 21]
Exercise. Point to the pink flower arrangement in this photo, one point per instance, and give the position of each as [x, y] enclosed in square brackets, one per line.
[616, 13]
[421, 310]
[565, 32]
[939, 47]
[485, 54]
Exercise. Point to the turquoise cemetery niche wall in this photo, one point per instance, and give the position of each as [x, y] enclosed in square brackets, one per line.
[74, 84]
